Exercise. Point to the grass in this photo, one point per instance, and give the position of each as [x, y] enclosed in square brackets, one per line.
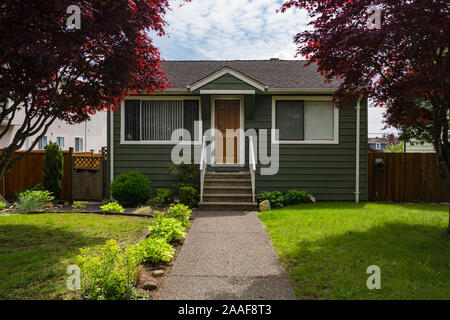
[327, 247]
[36, 249]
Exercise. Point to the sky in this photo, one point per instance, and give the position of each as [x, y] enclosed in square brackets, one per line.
[237, 29]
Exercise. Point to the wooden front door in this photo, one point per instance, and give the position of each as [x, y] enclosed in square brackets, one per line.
[227, 121]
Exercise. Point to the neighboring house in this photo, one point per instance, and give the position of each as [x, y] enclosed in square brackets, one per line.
[86, 136]
[419, 148]
[317, 142]
[380, 144]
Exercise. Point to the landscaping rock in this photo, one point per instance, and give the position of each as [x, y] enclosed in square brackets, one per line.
[313, 199]
[264, 205]
[149, 285]
[157, 273]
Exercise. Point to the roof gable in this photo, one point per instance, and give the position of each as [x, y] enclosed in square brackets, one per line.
[227, 78]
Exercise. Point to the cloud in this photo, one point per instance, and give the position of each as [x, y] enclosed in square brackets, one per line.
[231, 29]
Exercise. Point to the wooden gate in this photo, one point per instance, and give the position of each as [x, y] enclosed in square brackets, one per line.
[407, 177]
[87, 178]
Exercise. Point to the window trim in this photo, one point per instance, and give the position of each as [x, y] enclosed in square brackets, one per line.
[306, 99]
[64, 141]
[75, 144]
[159, 142]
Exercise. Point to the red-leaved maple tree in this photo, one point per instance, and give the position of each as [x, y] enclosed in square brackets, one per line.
[403, 64]
[51, 71]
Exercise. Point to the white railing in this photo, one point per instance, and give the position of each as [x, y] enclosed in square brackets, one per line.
[202, 167]
[252, 165]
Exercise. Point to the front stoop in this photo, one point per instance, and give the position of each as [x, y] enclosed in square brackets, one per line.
[228, 191]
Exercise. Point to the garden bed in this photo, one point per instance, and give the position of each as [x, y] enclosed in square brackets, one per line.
[147, 273]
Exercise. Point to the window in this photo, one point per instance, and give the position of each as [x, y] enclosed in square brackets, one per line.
[378, 146]
[78, 144]
[304, 121]
[155, 120]
[42, 143]
[60, 142]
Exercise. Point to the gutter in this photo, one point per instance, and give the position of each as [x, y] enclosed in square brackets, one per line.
[111, 149]
[358, 138]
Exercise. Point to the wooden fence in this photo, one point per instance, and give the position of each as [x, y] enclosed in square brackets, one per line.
[28, 172]
[407, 177]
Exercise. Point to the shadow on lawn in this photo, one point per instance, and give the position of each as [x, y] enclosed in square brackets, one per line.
[414, 262]
[27, 237]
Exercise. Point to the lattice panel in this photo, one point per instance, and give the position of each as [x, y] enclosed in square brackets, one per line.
[85, 162]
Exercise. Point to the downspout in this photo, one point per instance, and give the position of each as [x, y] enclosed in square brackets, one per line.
[111, 148]
[358, 138]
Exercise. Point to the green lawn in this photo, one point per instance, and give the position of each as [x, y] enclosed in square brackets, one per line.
[327, 247]
[35, 249]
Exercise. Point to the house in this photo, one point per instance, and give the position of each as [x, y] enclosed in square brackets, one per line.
[275, 116]
[83, 137]
[380, 144]
[419, 148]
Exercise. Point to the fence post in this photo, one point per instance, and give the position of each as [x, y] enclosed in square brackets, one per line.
[71, 175]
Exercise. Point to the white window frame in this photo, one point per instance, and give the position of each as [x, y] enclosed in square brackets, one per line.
[75, 144]
[39, 142]
[306, 99]
[378, 146]
[160, 142]
[64, 141]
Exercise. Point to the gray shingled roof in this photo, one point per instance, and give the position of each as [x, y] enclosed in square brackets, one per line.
[272, 73]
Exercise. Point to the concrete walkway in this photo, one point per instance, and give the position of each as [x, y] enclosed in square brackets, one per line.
[227, 255]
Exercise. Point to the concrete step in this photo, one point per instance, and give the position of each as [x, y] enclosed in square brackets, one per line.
[227, 182]
[228, 206]
[227, 175]
[227, 198]
[227, 190]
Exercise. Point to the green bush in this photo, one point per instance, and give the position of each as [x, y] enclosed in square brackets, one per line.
[164, 194]
[166, 228]
[38, 187]
[188, 196]
[53, 169]
[156, 202]
[276, 198]
[107, 272]
[180, 212]
[2, 205]
[132, 188]
[187, 174]
[33, 200]
[292, 197]
[154, 250]
[112, 207]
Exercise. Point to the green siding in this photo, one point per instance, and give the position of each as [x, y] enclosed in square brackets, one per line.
[327, 171]
[227, 82]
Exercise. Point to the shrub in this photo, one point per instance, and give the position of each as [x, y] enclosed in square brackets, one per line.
[131, 188]
[187, 174]
[38, 187]
[112, 207]
[2, 205]
[180, 212]
[31, 200]
[164, 194]
[276, 198]
[166, 228]
[107, 272]
[53, 169]
[292, 197]
[156, 202]
[79, 206]
[154, 250]
[188, 196]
